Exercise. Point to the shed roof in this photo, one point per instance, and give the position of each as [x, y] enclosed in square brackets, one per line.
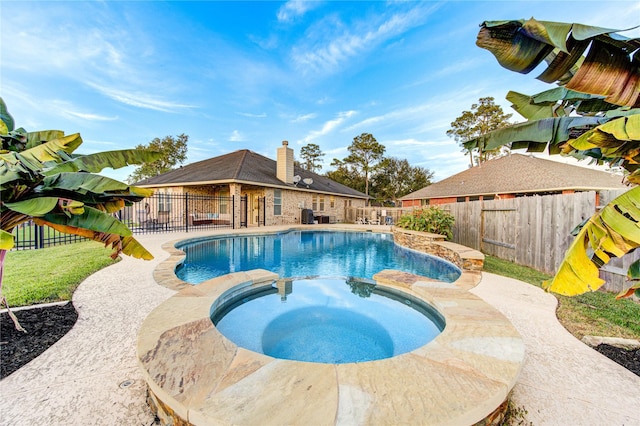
[518, 173]
[248, 167]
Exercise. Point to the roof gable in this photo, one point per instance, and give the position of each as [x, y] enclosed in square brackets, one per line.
[517, 173]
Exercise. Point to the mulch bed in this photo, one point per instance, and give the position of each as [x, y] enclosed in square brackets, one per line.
[629, 359]
[47, 325]
[44, 326]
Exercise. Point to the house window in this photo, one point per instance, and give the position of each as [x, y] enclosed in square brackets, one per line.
[314, 202]
[424, 202]
[277, 202]
[164, 202]
[332, 201]
[224, 203]
[461, 199]
[322, 203]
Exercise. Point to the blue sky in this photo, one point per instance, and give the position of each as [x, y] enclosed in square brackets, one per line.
[247, 75]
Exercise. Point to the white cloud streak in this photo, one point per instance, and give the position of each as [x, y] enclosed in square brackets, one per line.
[340, 42]
[329, 126]
[139, 99]
[295, 9]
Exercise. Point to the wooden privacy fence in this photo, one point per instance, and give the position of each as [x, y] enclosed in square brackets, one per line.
[533, 231]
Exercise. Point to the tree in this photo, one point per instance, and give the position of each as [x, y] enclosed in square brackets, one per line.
[484, 117]
[173, 153]
[346, 174]
[43, 181]
[365, 153]
[395, 178]
[312, 156]
[594, 114]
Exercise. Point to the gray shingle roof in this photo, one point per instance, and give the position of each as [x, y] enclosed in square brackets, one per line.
[244, 166]
[517, 173]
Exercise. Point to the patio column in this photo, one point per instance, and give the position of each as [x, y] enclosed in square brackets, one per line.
[235, 190]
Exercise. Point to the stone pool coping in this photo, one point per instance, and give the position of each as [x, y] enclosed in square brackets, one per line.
[196, 375]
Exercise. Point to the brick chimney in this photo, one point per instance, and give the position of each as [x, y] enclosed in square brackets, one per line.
[285, 163]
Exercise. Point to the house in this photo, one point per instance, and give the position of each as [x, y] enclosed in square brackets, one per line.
[511, 176]
[250, 190]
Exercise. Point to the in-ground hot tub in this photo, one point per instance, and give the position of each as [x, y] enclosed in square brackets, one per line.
[328, 320]
[196, 375]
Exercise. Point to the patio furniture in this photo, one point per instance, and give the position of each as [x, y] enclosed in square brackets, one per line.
[374, 218]
[164, 220]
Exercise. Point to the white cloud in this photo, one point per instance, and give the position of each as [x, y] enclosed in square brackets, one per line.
[329, 126]
[303, 118]
[339, 42]
[139, 99]
[88, 116]
[294, 9]
[236, 136]
[250, 115]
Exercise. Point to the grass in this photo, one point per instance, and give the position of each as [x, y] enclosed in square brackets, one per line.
[51, 274]
[596, 313]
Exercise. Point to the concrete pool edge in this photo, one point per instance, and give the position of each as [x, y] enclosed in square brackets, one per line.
[197, 376]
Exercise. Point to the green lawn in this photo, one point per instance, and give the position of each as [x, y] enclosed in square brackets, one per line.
[51, 274]
[595, 313]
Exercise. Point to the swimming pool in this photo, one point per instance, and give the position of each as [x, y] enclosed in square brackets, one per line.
[308, 254]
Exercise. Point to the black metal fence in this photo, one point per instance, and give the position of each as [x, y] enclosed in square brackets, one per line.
[163, 212]
[30, 236]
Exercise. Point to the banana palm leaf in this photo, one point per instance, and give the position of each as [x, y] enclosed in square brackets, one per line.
[610, 68]
[35, 206]
[525, 106]
[121, 244]
[6, 240]
[91, 219]
[536, 135]
[42, 136]
[5, 118]
[48, 151]
[614, 231]
[95, 163]
[99, 186]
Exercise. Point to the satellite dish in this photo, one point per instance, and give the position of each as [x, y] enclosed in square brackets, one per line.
[296, 179]
[307, 181]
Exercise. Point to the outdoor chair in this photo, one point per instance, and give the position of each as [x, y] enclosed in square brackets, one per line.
[361, 221]
[374, 218]
[164, 220]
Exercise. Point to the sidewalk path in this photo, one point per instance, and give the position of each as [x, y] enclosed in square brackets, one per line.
[91, 377]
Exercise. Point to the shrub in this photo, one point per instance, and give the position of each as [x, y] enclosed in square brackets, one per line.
[432, 219]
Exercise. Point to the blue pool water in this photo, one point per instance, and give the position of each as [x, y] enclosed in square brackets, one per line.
[308, 254]
[327, 320]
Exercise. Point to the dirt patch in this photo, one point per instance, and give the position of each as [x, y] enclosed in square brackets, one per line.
[47, 325]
